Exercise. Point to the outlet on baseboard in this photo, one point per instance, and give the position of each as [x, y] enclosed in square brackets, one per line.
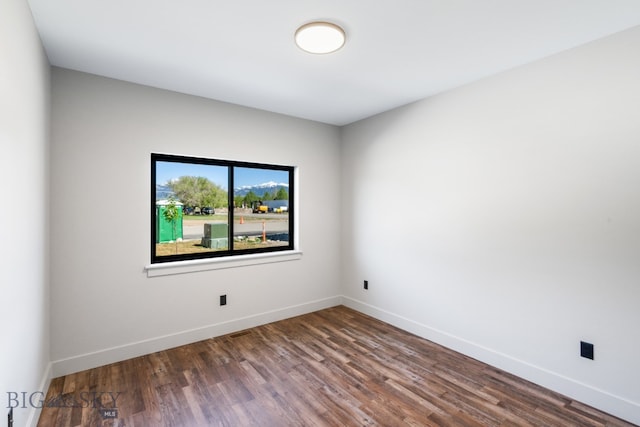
[223, 300]
[366, 284]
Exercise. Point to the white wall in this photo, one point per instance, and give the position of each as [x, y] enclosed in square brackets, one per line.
[512, 233]
[24, 281]
[104, 307]
[503, 220]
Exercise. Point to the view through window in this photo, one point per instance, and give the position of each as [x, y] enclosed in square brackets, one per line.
[203, 208]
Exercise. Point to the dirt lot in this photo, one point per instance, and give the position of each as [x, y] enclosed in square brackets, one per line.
[194, 246]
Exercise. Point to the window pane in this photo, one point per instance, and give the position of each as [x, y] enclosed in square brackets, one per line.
[261, 213]
[205, 208]
[192, 208]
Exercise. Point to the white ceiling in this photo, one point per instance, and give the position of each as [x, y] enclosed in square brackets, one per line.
[242, 51]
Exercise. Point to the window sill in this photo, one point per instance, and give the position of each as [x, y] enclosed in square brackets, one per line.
[181, 267]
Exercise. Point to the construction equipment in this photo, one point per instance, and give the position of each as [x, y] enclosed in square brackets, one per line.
[259, 207]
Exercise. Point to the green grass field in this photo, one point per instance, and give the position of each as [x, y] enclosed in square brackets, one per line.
[247, 218]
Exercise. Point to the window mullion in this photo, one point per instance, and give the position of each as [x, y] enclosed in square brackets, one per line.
[230, 209]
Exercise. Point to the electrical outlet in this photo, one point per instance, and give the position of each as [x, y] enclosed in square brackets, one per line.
[366, 284]
[586, 350]
[223, 300]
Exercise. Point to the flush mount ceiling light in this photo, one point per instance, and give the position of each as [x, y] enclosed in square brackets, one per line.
[320, 37]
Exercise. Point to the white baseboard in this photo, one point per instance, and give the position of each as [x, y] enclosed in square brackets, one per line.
[584, 393]
[34, 413]
[141, 348]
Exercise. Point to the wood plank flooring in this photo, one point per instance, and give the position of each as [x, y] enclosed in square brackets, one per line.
[334, 367]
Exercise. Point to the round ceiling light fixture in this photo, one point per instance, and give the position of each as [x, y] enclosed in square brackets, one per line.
[320, 37]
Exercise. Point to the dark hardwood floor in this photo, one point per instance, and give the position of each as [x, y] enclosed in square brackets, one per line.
[334, 367]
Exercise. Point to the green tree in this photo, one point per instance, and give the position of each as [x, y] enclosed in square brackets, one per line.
[250, 197]
[267, 196]
[198, 191]
[282, 194]
[171, 214]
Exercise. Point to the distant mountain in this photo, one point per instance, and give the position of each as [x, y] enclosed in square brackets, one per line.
[260, 189]
[163, 192]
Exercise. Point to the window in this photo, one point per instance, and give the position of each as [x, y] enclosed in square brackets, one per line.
[206, 208]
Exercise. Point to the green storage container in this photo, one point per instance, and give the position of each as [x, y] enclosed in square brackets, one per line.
[216, 236]
[164, 228]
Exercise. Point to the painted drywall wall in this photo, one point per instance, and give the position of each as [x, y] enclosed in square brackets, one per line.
[503, 220]
[104, 307]
[24, 213]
